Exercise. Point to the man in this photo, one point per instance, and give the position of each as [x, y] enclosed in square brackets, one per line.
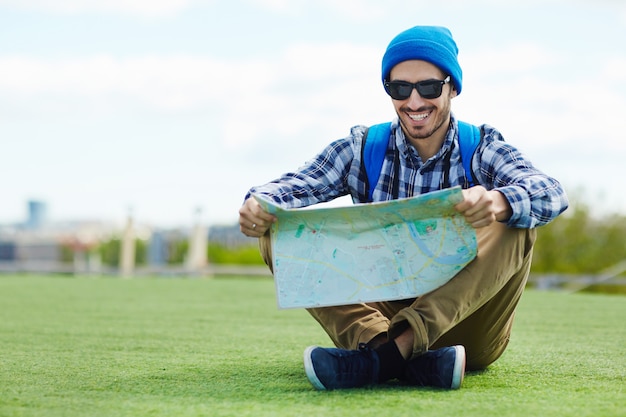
[466, 323]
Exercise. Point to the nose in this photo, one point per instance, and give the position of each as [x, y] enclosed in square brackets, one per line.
[415, 100]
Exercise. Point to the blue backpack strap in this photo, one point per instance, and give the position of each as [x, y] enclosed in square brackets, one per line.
[469, 138]
[375, 144]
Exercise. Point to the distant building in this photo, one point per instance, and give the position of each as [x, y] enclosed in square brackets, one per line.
[8, 250]
[40, 245]
[37, 215]
[230, 236]
[157, 249]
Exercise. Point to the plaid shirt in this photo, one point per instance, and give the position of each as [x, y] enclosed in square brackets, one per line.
[535, 198]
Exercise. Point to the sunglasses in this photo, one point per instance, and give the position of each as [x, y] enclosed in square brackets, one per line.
[429, 89]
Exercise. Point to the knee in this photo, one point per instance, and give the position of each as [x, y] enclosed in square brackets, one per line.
[502, 245]
[478, 361]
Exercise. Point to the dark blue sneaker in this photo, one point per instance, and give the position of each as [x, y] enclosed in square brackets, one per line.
[331, 368]
[441, 368]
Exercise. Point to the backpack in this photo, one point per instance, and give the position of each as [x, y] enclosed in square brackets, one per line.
[376, 140]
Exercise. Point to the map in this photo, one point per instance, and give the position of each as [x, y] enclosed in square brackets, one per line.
[368, 252]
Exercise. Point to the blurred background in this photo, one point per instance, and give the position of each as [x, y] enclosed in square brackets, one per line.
[155, 117]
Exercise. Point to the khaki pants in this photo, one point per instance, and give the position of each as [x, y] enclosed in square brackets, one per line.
[474, 309]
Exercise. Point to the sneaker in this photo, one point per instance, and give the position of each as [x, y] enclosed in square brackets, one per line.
[330, 368]
[442, 368]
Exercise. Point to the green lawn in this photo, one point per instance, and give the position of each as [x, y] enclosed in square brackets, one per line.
[220, 347]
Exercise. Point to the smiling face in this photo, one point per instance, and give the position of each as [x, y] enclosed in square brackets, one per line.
[424, 121]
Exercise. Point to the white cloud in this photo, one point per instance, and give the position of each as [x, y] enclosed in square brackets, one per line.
[311, 93]
[280, 6]
[350, 9]
[310, 83]
[283, 95]
[521, 89]
[355, 9]
[358, 9]
[516, 58]
[184, 128]
[615, 69]
[142, 8]
[163, 82]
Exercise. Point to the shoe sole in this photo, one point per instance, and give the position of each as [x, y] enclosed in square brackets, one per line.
[459, 367]
[310, 370]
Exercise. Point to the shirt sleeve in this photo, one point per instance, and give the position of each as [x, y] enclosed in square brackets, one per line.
[321, 179]
[535, 198]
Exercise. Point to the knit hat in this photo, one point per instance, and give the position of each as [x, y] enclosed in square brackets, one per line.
[433, 44]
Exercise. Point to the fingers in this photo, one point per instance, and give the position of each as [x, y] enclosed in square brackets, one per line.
[253, 220]
[477, 207]
[252, 229]
[481, 219]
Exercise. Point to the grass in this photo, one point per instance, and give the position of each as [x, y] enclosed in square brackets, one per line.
[220, 347]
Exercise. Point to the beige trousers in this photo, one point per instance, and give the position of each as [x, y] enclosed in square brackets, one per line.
[474, 309]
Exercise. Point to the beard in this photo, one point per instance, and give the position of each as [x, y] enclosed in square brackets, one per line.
[422, 132]
[440, 119]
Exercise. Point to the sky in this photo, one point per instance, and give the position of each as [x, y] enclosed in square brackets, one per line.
[164, 109]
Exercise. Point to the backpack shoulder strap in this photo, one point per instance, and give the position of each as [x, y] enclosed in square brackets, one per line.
[375, 143]
[376, 140]
[469, 138]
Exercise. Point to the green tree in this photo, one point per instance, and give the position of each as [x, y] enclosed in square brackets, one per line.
[110, 251]
[241, 255]
[578, 243]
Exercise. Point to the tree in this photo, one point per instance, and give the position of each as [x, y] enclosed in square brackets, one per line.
[578, 243]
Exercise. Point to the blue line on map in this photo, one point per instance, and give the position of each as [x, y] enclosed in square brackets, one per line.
[445, 260]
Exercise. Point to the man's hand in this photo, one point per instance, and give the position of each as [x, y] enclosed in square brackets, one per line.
[253, 220]
[481, 207]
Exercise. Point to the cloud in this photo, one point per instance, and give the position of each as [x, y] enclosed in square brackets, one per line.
[209, 126]
[162, 82]
[310, 87]
[141, 8]
[304, 84]
[515, 58]
[348, 9]
[354, 9]
[615, 70]
[523, 89]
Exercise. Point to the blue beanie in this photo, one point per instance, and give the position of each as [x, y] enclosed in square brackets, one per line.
[433, 44]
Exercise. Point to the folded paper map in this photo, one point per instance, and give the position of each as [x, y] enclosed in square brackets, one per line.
[368, 252]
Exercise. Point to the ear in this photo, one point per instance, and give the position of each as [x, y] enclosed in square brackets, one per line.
[453, 92]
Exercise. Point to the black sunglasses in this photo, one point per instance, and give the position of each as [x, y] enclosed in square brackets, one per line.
[429, 89]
